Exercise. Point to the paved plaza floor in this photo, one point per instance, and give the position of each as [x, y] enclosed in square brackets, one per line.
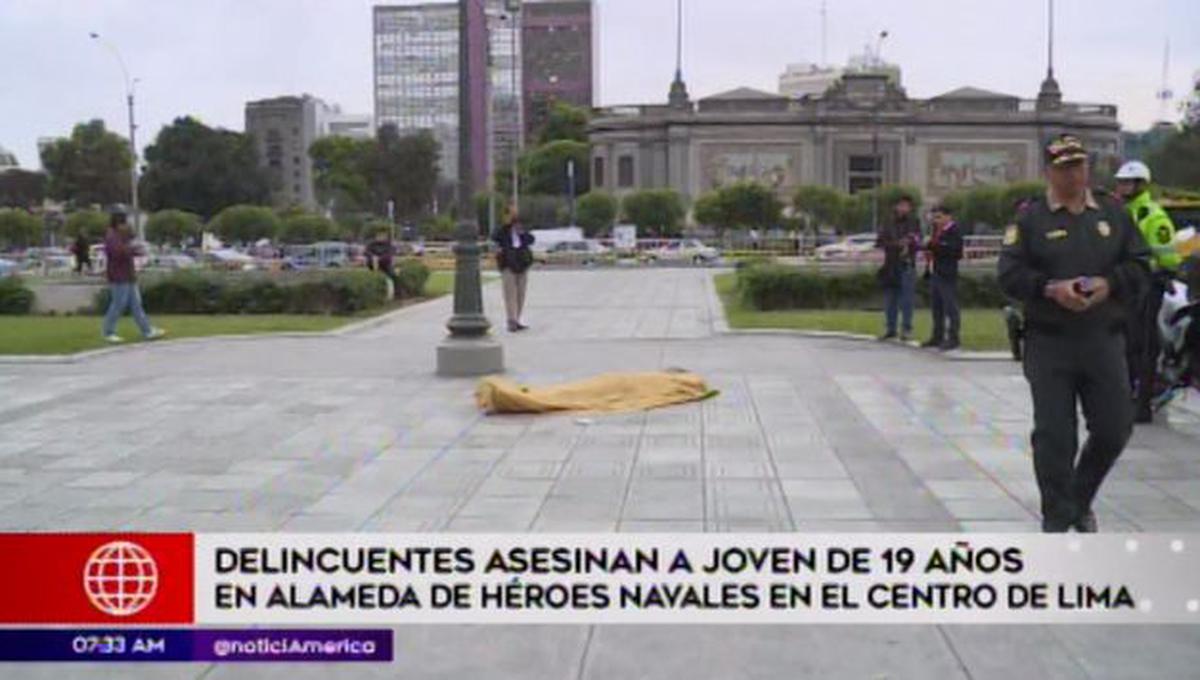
[353, 432]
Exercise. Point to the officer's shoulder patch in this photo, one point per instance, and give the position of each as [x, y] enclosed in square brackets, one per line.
[1011, 235]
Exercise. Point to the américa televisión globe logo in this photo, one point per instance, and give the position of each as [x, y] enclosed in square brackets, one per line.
[120, 578]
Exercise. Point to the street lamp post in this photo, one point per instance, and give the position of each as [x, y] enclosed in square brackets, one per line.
[133, 154]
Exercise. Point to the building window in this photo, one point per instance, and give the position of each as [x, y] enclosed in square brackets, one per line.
[296, 188]
[598, 171]
[866, 172]
[625, 171]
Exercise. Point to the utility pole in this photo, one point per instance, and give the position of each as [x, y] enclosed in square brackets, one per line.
[133, 154]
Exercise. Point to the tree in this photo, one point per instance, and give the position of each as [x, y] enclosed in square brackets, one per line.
[544, 169]
[19, 229]
[500, 203]
[22, 188]
[1177, 162]
[739, 205]
[402, 169]
[90, 223]
[820, 205]
[306, 228]
[858, 214]
[340, 167]
[595, 212]
[564, 122]
[655, 211]
[202, 170]
[172, 226]
[244, 224]
[540, 210]
[89, 167]
[708, 209]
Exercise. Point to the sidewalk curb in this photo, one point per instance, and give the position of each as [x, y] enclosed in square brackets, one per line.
[955, 355]
[348, 329]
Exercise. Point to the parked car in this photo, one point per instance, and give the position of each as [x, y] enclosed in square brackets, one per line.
[171, 262]
[323, 254]
[584, 252]
[8, 267]
[684, 250]
[854, 247]
[229, 259]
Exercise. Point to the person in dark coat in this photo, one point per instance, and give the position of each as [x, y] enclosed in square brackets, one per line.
[513, 259]
[900, 239]
[944, 249]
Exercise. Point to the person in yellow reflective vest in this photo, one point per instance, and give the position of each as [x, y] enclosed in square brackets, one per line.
[1133, 187]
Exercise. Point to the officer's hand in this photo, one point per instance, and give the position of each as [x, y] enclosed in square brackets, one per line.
[1064, 293]
[1100, 290]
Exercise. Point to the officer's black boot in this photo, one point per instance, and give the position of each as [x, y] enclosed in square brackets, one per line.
[1086, 524]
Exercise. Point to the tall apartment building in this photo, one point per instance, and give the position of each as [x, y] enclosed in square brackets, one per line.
[558, 57]
[420, 85]
[284, 128]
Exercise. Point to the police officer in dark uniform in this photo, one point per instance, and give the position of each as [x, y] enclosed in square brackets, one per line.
[1074, 259]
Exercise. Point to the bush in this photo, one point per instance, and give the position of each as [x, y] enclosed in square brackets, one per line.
[411, 277]
[771, 286]
[244, 224]
[325, 292]
[15, 298]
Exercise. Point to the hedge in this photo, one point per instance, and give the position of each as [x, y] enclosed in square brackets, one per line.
[773, 286]
[15, 298]
[317, 292]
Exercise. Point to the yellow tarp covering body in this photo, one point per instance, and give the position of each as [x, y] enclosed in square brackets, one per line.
[608, 392]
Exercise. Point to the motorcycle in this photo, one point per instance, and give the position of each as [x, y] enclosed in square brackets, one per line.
[1178, 366]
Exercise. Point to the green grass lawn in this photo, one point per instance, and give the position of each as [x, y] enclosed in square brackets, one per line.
[69, 334]
[982, 329]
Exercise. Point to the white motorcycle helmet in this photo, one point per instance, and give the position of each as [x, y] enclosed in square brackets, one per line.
[1133, 170]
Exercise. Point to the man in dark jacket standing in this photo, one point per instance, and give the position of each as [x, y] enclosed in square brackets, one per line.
[119, 269]
[381, 254]
[944, 250]
[900, 239]
[513, 259]
[1075, 260]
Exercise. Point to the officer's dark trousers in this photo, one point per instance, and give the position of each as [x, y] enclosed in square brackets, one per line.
[1063, 370]
[1144, 344]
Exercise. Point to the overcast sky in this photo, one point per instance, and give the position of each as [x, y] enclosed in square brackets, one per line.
[206, 58]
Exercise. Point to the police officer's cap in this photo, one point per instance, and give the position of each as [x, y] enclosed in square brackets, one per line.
[1065, 150]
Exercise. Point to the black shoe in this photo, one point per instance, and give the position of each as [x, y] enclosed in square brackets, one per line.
[513, 326]
[890, 335]
[1087, 523]
[1144, 416]
[931, 342]
[906, 336]
[949, 345]
[522, 327]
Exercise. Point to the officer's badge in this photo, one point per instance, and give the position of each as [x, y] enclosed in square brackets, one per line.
[1011, 235]
[1056, 234]
[1104, 229]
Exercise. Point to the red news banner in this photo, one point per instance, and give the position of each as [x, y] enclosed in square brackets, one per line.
[97, 578]
[387, 579]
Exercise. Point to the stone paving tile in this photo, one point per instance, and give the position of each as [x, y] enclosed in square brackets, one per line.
[808, 435]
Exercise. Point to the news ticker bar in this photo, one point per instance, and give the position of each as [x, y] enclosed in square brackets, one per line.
[198, 645]
[382, 580]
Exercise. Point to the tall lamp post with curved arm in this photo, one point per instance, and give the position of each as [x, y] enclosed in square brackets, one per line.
[133, 154]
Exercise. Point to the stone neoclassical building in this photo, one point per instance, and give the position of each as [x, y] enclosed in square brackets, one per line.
[861, 132]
